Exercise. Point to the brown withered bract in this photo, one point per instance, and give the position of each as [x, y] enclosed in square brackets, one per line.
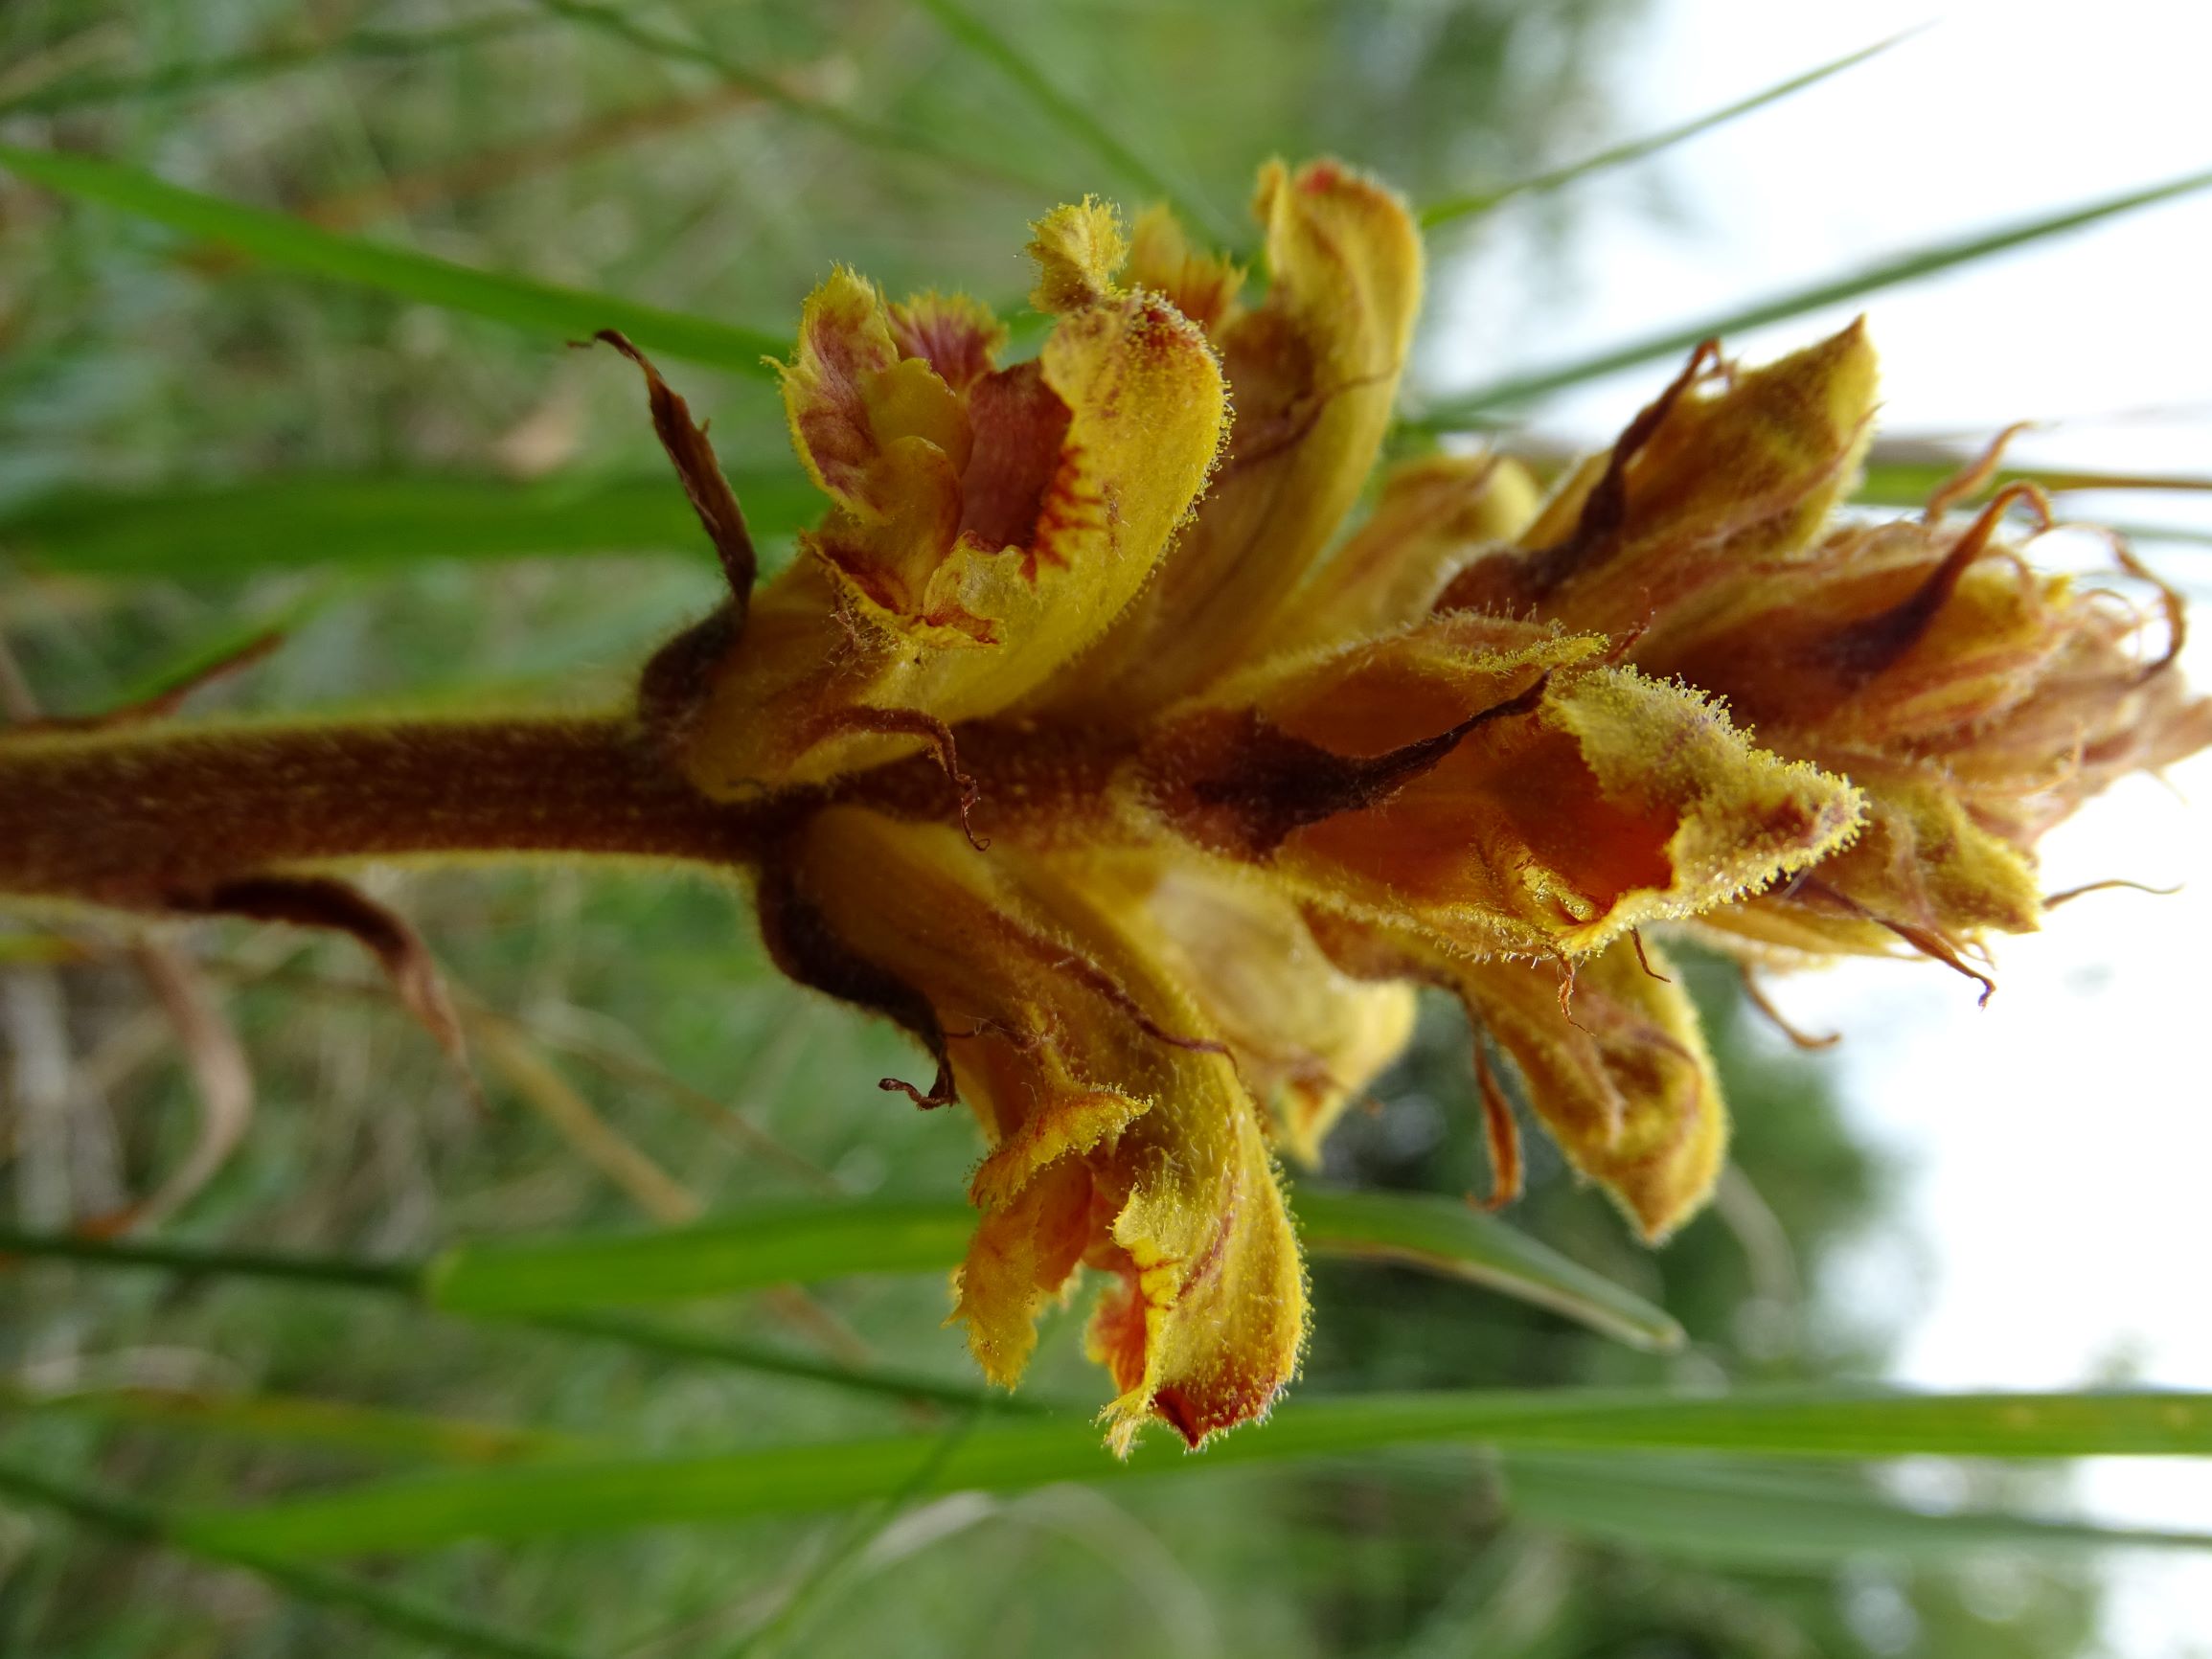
[1083, 742]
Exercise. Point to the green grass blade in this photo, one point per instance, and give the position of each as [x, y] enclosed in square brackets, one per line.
[612, 21]
[424, 1510]
[527, 1299]
[1446, 1236]
[1753, 1516]
[560, 1281]
[338, 1426]
[403, 1615]
[556, 313]
[810, 1241]
[1906, 482]
[777, 1634]
[803, 1241]
[774, 1244]
[375, 521]
[174, 80]
[229, 650]
[37, 951]
[912, 1387]
[165, 1255]
[1071, 117]
[1476, 202]
[1470, 408]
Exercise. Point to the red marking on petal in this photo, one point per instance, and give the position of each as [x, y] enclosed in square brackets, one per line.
[1173, 1407]
[1020, 427]
[954, 336]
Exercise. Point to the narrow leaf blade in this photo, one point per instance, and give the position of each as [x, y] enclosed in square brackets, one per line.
[1758, 1517]
[1476, 202]
[775, 1244]
[370, 1431]
[800, 1242]
[1471, 408]
[374, 521]
[179, 79]
[680, 1342]
[1446, 1236]
[615, 22]
[1903, 481]
[1068, 114]
[408, 1615]
[422, 1512]
[556, 313]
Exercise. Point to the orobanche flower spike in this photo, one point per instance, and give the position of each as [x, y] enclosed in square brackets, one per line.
[1082, 740]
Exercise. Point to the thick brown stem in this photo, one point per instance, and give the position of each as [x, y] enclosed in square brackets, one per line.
[157, 818]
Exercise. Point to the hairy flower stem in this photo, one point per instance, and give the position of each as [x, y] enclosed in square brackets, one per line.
[154, 818]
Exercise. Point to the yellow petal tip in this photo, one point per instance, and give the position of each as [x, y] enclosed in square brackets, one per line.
[1079, 250]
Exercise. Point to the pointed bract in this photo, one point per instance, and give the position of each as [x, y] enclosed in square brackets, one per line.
[1609, 1054]
[1702, 485]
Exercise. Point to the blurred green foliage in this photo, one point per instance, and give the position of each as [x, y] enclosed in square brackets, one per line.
[716, 159]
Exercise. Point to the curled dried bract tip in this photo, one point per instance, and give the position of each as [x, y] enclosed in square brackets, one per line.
[701, 475]
[1971, 479]
[2115, 883]
[321, 901]
[1926, 941]
[1756, 995]
[2174, 607]
[944, 746]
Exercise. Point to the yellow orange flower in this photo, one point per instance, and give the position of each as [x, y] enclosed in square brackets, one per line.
[1233, 781]
[1087, 741]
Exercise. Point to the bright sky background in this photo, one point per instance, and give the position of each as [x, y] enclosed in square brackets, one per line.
[2058, 1144]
